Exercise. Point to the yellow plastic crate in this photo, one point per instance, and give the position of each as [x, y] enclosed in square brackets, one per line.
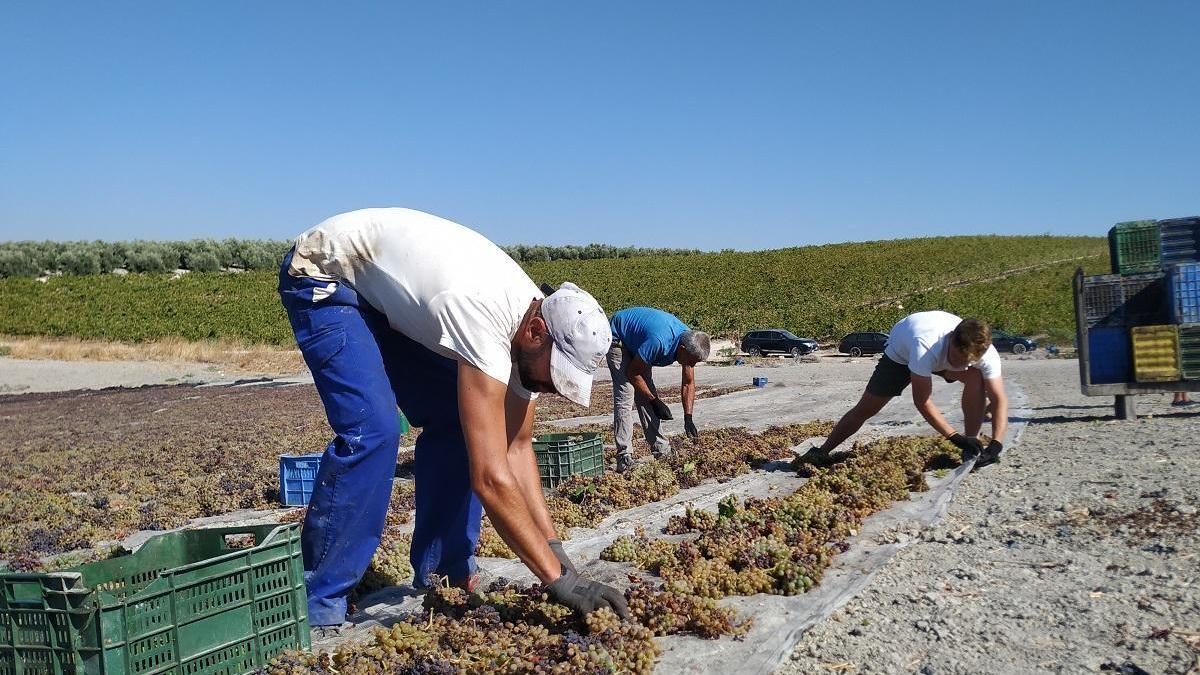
[1155, 353]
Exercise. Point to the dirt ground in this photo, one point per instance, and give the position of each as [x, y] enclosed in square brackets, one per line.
[1077, 554]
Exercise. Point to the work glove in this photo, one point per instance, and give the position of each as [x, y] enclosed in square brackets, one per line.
[661, 409]
[689, 428]
[557, 547]
[990, 455]
[971, 447]
[585, 595]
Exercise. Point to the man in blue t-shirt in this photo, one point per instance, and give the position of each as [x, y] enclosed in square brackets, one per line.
[644, 337]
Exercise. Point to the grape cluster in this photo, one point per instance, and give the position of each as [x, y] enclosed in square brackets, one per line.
[623, 549]
[720, 454]
[668, 612]
[504, 630]
[783, 545]
[693, 520]
[213, 469]
[779, 545]
[390, 566]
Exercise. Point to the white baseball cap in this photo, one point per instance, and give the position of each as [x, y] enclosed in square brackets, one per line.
[581, 336]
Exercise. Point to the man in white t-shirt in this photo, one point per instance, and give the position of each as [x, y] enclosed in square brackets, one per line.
[398, 308]
[920, 346]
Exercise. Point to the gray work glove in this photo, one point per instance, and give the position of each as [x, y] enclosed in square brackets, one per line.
[689, 428]
[971, 447]
[661, 409]
[557, 547]
[584, 595]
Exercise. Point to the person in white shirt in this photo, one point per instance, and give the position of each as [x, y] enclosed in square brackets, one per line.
[398, 309]
[920, 346]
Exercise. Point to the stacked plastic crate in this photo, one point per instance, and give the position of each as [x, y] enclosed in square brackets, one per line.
[1181, 260]
[1144, 321]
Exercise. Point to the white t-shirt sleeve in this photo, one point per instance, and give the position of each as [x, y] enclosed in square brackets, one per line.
[989, 364]
[472, 329]
[921, 358]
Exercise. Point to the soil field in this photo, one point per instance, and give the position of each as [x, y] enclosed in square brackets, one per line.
[1077, 554]
[84, 467]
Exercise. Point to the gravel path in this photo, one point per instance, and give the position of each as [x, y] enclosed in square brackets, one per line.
[1077, 554]
[29, 376]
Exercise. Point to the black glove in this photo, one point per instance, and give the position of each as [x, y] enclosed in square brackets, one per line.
[557, 547]
[971, 447]
[689, 428]
[990, 454]
[661, 409]
[584, 595]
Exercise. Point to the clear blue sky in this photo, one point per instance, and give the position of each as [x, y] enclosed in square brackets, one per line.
[705, 124]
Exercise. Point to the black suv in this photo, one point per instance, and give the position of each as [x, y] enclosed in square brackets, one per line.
[1004, 341]
[759, 342]
[857, 344]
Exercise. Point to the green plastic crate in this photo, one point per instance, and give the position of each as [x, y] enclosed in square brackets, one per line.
[1135, 247]
[560, 456]
[187, 603]
[1189, 351]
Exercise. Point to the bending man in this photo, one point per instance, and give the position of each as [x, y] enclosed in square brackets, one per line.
[644, 337]
[935, 343]
[397, 307]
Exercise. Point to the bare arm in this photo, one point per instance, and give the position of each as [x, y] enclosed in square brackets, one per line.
[519, 421]
[688, 387]
[995, 392]
[637, 370]
[481, 406]
[922, 393]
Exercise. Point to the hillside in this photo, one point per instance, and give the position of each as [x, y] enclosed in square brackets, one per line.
[1019, 283]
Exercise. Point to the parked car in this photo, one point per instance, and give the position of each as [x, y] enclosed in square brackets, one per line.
[759, 342]
[857, 344]
[1004, 341]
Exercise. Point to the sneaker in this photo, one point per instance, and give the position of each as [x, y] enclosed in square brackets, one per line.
[624, 463]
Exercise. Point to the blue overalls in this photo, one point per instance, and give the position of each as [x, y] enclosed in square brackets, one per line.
[363, 370]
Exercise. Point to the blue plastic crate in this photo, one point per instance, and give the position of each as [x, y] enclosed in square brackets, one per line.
[297, 475]
[759, 381]
[1109, 360]
[1180, 240]
[1185, 293]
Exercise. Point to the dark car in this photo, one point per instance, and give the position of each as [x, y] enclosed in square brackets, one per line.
[1004, 341]
[759, 342]
[857, 344]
